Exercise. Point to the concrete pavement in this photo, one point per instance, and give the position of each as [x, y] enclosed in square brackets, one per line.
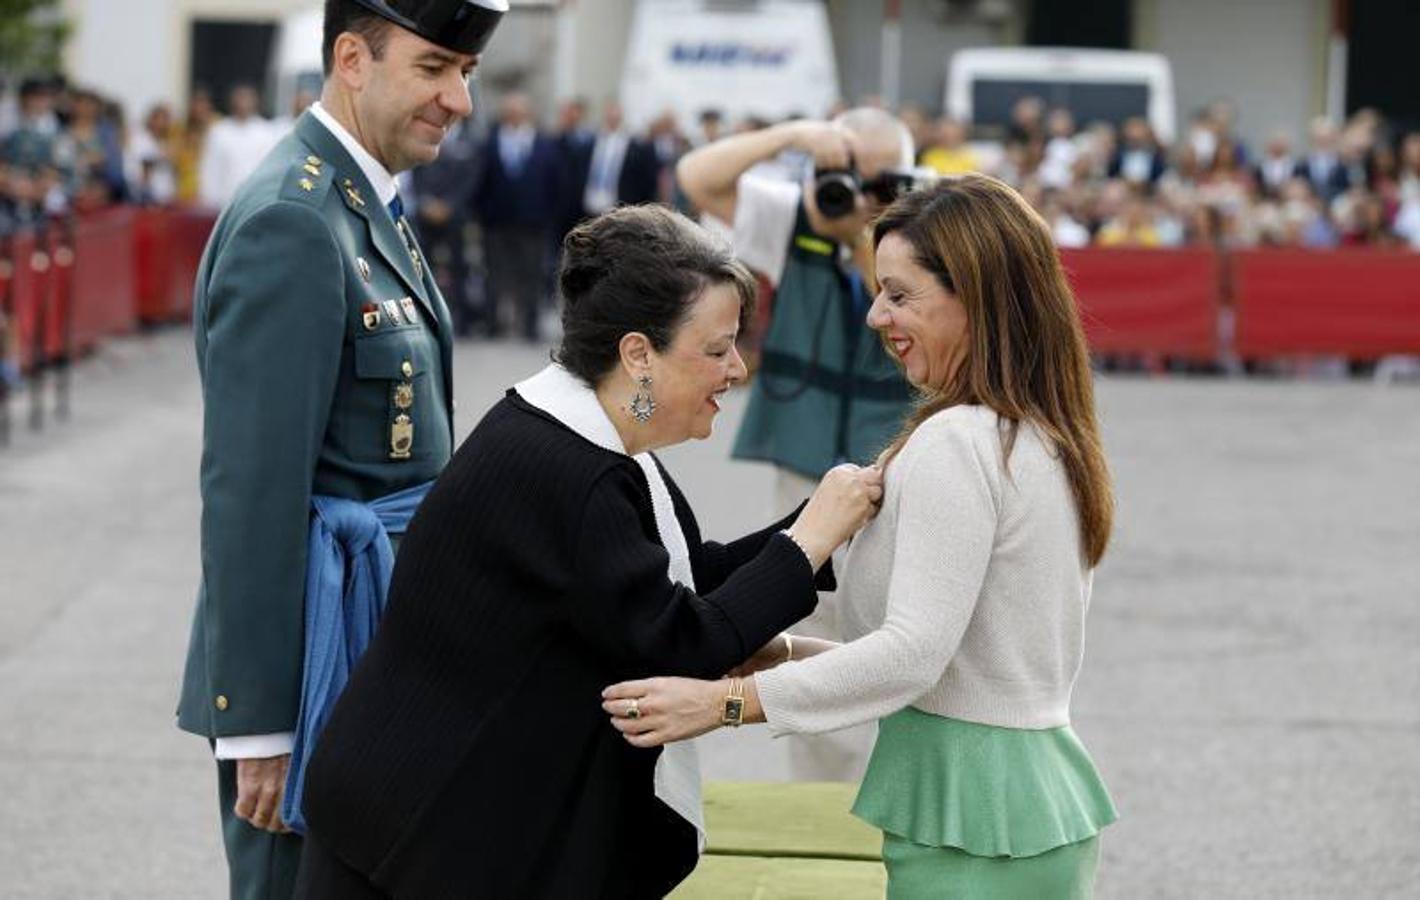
[1251, 686]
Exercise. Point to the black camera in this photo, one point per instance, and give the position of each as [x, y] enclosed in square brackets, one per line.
[836, 190]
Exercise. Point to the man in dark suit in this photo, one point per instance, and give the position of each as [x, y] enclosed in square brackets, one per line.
[1139, 160]
[574, 144]
[324, 350]
[517, 203]
[444, 198]
[622, 168]
[1322, 166]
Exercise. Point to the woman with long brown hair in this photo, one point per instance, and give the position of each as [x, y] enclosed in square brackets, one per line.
[965, 599]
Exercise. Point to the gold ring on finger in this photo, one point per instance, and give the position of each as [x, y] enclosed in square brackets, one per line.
[634, 710]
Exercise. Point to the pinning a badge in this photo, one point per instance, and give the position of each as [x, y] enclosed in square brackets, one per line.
[401, 437]
[403, 395]
[407, 304]
[392, 310]
[370, 313]
[353, 192]
[364, 267]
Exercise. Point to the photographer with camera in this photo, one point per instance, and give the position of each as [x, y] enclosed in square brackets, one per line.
[826, 392]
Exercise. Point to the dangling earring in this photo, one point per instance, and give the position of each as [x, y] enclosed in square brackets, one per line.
[643, 404]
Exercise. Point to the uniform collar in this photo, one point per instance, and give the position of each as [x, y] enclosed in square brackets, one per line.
[379, 177]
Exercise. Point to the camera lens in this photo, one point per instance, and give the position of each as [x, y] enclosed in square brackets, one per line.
[835, 193]
[888, 186]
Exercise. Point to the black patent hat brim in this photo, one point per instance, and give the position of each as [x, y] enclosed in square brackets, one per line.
[457, 25]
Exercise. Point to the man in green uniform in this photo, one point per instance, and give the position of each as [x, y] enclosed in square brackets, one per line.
[324, 348]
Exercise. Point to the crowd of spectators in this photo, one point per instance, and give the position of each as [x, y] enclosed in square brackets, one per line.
[1353, 185]
[494, 208]
[67, 148]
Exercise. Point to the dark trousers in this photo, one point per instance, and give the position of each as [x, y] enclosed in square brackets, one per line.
[324, 877]
[444, 246]
[514, 255]
[260, 865]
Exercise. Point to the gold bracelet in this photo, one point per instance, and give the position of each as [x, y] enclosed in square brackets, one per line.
[788, 647]
[805, 550]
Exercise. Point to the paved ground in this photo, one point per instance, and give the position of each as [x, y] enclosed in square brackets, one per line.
[1251, 687]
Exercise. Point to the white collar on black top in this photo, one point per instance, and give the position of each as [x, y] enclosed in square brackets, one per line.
[567, 399]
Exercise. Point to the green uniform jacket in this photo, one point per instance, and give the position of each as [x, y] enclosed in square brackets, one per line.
[325, 355]
[826, 391]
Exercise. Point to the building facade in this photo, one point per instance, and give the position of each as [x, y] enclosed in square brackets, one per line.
[1276, 59]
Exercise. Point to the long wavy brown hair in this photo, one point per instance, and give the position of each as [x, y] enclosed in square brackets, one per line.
[1025, 355]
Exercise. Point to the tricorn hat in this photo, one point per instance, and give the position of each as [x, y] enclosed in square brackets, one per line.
[463, 26]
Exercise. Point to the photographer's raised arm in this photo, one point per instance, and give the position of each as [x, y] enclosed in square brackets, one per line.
[710, 175]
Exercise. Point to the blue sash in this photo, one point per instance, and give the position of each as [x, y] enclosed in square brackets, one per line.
[348, 568]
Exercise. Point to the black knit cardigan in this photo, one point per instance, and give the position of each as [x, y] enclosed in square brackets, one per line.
[469, 756]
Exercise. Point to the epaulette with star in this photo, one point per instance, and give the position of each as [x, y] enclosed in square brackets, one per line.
[309, 180]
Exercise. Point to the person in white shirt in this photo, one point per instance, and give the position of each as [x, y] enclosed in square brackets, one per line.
[964, 601]
[150, 159]
[1278, 166]
[235, 146]
[622, 168]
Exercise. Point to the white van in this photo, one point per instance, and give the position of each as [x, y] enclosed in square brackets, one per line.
[771, 60]
[1108, 85]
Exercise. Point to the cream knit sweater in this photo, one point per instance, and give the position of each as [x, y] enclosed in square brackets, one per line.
[965, 597]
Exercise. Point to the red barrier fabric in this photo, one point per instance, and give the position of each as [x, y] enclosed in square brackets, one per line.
[61, 301]
[1356, 302]
[104, 282]
[1137, 301]
[153, 264]
[188, 231]
[31, 293]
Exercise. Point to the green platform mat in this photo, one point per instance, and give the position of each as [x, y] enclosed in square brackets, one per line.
[807, 819]
[760, 878]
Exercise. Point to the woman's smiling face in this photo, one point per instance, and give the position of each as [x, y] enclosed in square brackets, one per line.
[701, 363]
[923, 322]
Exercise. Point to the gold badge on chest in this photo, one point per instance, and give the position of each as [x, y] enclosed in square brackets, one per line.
[403, 395]
[412, 247]
[352, 192]
[401, 437]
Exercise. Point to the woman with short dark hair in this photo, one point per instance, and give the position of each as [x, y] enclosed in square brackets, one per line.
[468, 755]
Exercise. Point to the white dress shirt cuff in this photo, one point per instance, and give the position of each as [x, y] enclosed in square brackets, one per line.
[255, 746]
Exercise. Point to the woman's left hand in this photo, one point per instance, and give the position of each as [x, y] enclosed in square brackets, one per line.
[656, 711]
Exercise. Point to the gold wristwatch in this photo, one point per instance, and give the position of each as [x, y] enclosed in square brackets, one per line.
[734, 714]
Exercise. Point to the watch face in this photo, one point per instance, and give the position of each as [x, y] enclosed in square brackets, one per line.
[734, 710]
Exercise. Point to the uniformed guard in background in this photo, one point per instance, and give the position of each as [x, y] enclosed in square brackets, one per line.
[324, 348]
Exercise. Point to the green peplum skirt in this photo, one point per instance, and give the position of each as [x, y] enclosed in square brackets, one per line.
[979, 812]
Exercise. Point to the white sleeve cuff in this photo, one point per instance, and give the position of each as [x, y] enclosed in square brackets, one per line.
[255, 746]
